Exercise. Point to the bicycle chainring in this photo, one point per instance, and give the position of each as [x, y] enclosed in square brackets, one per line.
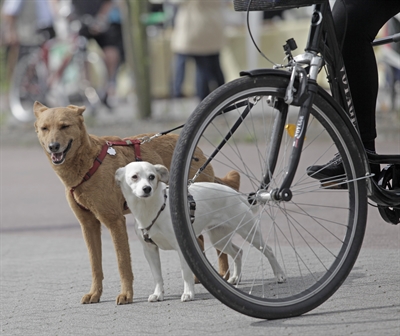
[390, 179]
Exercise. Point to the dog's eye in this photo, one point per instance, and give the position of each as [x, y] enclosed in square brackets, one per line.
[151, 177]
[43, 128]
[64, 126]
[134, 177]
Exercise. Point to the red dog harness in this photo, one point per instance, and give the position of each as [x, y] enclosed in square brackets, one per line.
[107, 148]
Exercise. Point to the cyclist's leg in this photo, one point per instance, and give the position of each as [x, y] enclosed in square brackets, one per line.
[357, 24]
[364, 20]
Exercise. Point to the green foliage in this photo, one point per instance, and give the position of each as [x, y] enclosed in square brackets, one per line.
[3, 71]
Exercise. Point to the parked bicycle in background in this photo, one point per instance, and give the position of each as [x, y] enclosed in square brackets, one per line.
[67, 68]
[58, 72]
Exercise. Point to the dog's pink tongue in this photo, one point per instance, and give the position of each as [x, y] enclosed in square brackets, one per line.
[56, 157]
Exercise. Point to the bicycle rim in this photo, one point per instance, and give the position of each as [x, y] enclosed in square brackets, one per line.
[315, 237]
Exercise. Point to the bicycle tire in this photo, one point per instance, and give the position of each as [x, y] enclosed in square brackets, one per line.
[27, 86]
[316, 237]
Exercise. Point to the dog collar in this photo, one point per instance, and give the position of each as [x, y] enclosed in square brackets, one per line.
[192, 209]
[145, 232]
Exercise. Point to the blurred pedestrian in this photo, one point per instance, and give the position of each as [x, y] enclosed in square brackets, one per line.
[25, 23]
[199, 34]
[106, 29]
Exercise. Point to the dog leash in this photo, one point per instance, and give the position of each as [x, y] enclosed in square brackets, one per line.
[149, 138]
[125, 142]
[108, 149]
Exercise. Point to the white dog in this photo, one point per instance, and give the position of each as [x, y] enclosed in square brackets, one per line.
[145, 191]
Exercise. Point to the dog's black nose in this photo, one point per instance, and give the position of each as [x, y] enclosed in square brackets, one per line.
[54, 147]
[147, 189]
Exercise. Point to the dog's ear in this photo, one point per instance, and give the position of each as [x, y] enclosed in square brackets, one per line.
[162, 172]
[38, 108]
[119, 175]
[77, 109]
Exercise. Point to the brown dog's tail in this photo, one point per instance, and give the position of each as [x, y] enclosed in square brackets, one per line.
[232, 179]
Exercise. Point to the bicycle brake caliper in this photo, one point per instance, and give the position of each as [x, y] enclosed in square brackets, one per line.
[295, 96]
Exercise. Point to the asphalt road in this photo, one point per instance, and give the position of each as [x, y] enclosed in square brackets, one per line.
[45, 270]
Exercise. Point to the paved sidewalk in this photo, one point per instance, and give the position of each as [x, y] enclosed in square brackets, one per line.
[45, 268]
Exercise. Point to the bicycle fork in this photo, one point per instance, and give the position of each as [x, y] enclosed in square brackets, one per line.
[283, 193]
[304, 98]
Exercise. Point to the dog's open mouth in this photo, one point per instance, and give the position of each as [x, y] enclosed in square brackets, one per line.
[59, 158]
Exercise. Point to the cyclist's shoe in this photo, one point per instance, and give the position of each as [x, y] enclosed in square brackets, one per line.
[331, 174]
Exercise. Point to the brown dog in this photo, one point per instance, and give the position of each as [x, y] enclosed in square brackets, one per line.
[94, 196]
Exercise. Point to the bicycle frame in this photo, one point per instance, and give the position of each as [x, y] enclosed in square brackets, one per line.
[322, 50]
[55, 75]
[322, 40]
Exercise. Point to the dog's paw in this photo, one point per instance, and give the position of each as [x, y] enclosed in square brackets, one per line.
[281, 277]
[91, 298]
[234, 280]
[124, 298]
[187, 297]
[156, 297]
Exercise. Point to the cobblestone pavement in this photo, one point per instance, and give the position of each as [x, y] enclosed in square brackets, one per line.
[45, 268]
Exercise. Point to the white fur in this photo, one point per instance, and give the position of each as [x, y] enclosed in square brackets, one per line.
[145, 197]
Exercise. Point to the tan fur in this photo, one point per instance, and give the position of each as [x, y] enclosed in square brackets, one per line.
[100, 194]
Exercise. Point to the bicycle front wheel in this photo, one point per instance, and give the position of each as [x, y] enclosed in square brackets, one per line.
[315, 237]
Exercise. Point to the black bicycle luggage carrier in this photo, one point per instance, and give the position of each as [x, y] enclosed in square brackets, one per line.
[268, 5]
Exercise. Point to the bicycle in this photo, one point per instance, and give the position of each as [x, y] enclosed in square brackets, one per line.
[57, 73]
[269, 125]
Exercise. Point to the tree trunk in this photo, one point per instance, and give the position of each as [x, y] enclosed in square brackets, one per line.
[139, 53]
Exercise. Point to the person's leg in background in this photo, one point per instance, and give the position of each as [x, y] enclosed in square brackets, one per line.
[202, 76]
[217, 77]
[209, 75]
[179, 75]
[112, 45]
